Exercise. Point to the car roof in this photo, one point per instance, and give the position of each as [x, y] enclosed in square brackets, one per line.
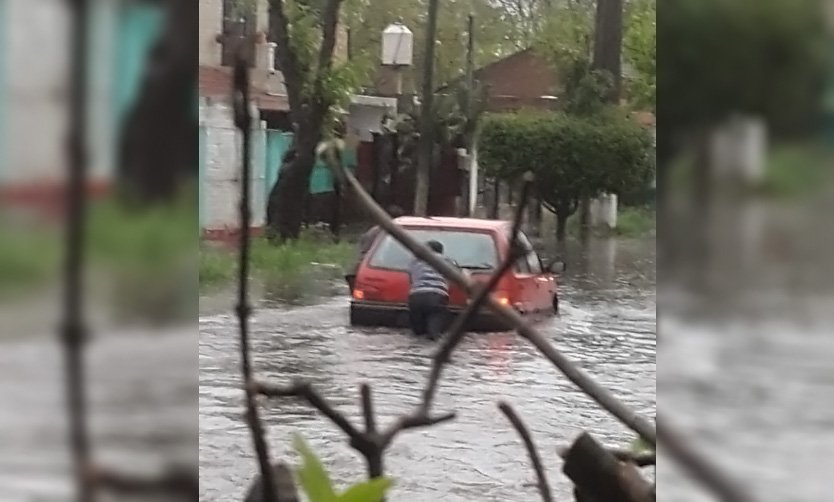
[448, 222]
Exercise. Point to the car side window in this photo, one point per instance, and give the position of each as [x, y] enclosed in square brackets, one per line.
[523, 264]
[534, 263]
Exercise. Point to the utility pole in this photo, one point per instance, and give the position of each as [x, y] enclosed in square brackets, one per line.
[426, 142]
[471, 178]
[608, 43]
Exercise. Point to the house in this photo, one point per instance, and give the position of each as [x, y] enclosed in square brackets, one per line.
[34, 86]
[222, 26]
[521, 80]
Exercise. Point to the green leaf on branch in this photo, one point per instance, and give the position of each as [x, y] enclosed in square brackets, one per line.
[639, 445]
[312, 475]
[317, 485]
[368, 491]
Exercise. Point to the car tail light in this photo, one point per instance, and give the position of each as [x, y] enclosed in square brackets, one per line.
[501, 297]
[358, 294]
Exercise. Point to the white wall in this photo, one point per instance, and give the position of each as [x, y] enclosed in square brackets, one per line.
[36, 72]
[222, 177]
[211, 24]
[37, 82]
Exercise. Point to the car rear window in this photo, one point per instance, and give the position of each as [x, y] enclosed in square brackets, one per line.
[468, 249]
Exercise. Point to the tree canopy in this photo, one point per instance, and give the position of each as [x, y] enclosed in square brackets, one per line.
[572, 157]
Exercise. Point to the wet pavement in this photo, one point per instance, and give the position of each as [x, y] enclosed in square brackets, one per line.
[607, 325]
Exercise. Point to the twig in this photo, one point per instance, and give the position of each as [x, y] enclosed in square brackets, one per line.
[73, 331]
[699, 467]
[458, 329]
[368, 409]
[541, 476]
[306, 391]
[243, 121]
[370, 444]
[587, 384]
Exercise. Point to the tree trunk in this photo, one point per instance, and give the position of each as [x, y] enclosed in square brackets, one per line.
[561, 225]
[157, 147]
[336, 217]
[285, 208]
[608, 42]
[426, 141]
[496, 199]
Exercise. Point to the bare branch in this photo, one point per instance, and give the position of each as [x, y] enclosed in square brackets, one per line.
[368, 409]
[541, 476]
[587, 384]
[243, 121]
[73, 333]
[420, 416]
[305, 391]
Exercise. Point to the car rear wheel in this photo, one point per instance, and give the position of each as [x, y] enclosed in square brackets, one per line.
[555, 303]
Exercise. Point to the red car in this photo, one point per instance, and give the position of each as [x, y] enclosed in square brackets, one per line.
[380, 292]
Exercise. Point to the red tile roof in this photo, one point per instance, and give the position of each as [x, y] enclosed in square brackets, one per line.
[216, 82]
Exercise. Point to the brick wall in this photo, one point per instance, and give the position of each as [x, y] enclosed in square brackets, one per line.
[519, 81]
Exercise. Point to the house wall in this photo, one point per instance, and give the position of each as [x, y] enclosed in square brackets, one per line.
[211, 24]
[520, 80]
[220, 169]
[35, 90]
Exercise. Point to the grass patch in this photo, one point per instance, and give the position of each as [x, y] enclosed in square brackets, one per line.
[632, 222]
[795, 170]
[142, 253]
[289, 271]
[635, 222]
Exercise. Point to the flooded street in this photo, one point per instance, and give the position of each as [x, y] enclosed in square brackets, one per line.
[607, 325]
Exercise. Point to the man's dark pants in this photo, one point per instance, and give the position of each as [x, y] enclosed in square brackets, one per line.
[428, 313]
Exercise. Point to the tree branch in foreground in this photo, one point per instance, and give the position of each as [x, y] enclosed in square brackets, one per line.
[243, 122]
[458, 329]
[541, 476]
[586, 383]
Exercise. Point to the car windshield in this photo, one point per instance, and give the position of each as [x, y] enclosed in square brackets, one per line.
[468, 249]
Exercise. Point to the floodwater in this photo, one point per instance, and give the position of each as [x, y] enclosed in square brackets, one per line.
[607, 325]
[142, 408]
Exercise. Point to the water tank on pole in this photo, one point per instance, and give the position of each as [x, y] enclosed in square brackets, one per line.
[397, 45]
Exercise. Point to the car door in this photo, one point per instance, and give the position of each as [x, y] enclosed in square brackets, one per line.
[545, 284]
[525, 279]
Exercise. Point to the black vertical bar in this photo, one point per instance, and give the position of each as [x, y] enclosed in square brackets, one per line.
[243, 121]
[376, 164]
[73, 330]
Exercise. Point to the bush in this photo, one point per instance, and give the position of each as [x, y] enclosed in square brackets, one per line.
[572, 157]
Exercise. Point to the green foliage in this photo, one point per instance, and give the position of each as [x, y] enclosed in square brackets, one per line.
[339, 82]
[143, 252]
[639, 445]
[797, 170]
[640, 53]
[571, 157]
[494, 36]
[317, 485]
[635, 221]
[763, 57]
[292, 271]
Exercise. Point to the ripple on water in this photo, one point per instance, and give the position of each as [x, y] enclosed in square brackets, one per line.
[607, 326]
